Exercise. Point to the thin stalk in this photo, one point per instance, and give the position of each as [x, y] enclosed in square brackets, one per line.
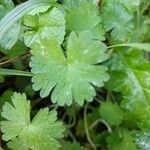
[143, 46]
[14, 59]
[86, 128]
[13, 72]
[104, 122]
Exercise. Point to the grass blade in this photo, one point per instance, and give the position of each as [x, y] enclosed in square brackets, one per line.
[13, 72]
[18, 12]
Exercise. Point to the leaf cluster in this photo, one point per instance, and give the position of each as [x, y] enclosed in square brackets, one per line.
[83, 62]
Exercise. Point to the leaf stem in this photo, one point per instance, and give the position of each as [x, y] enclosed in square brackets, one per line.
[86, 128]
[104, 122]
[143, 46]
[13, 72]
[15, 58]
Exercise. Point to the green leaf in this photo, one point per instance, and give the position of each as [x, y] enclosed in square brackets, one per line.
[108, 109]
[5, 7]
[71, 3]
[76, 3]
[130, 5]
[18, 116]
[39, 133]
[18, 49]
[130, 75]
[116, 19]
[142, 140]
[120, 140]
[77, 20]
[6, 97]
[50, 24]
[72, 76]
[72, 146]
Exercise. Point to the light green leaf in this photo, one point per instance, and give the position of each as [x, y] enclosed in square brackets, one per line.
[39, 133]
[72, 76]
[116, 19]
[15, 144]
[50, 24]
[130, 5]
[77, 20]
[18, 116]
[76, 3]
[130, 75]
[108, 109]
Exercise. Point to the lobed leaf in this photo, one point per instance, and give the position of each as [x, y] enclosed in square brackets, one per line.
[50, 24]
[72, 76]
[29, 134]
[108, 109]
[77, 20]
[117, 20]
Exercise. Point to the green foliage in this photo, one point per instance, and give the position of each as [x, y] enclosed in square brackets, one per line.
[117, 20]
[108, 109]
[29, 134]
[120, 140]
[5, 7]
[72, 146]
[127, 71]
[77, 20]
[50, 24]
[71, 75]
[55, 47]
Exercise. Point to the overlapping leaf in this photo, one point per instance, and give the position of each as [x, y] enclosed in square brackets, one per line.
[72, 76]
[77, 20]
[50, 24]
[130, 75]
[38, 134]
[5, 6]
[130, 5]
[118, 20]
[72, 146]
[108, 109]
[120, 140]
